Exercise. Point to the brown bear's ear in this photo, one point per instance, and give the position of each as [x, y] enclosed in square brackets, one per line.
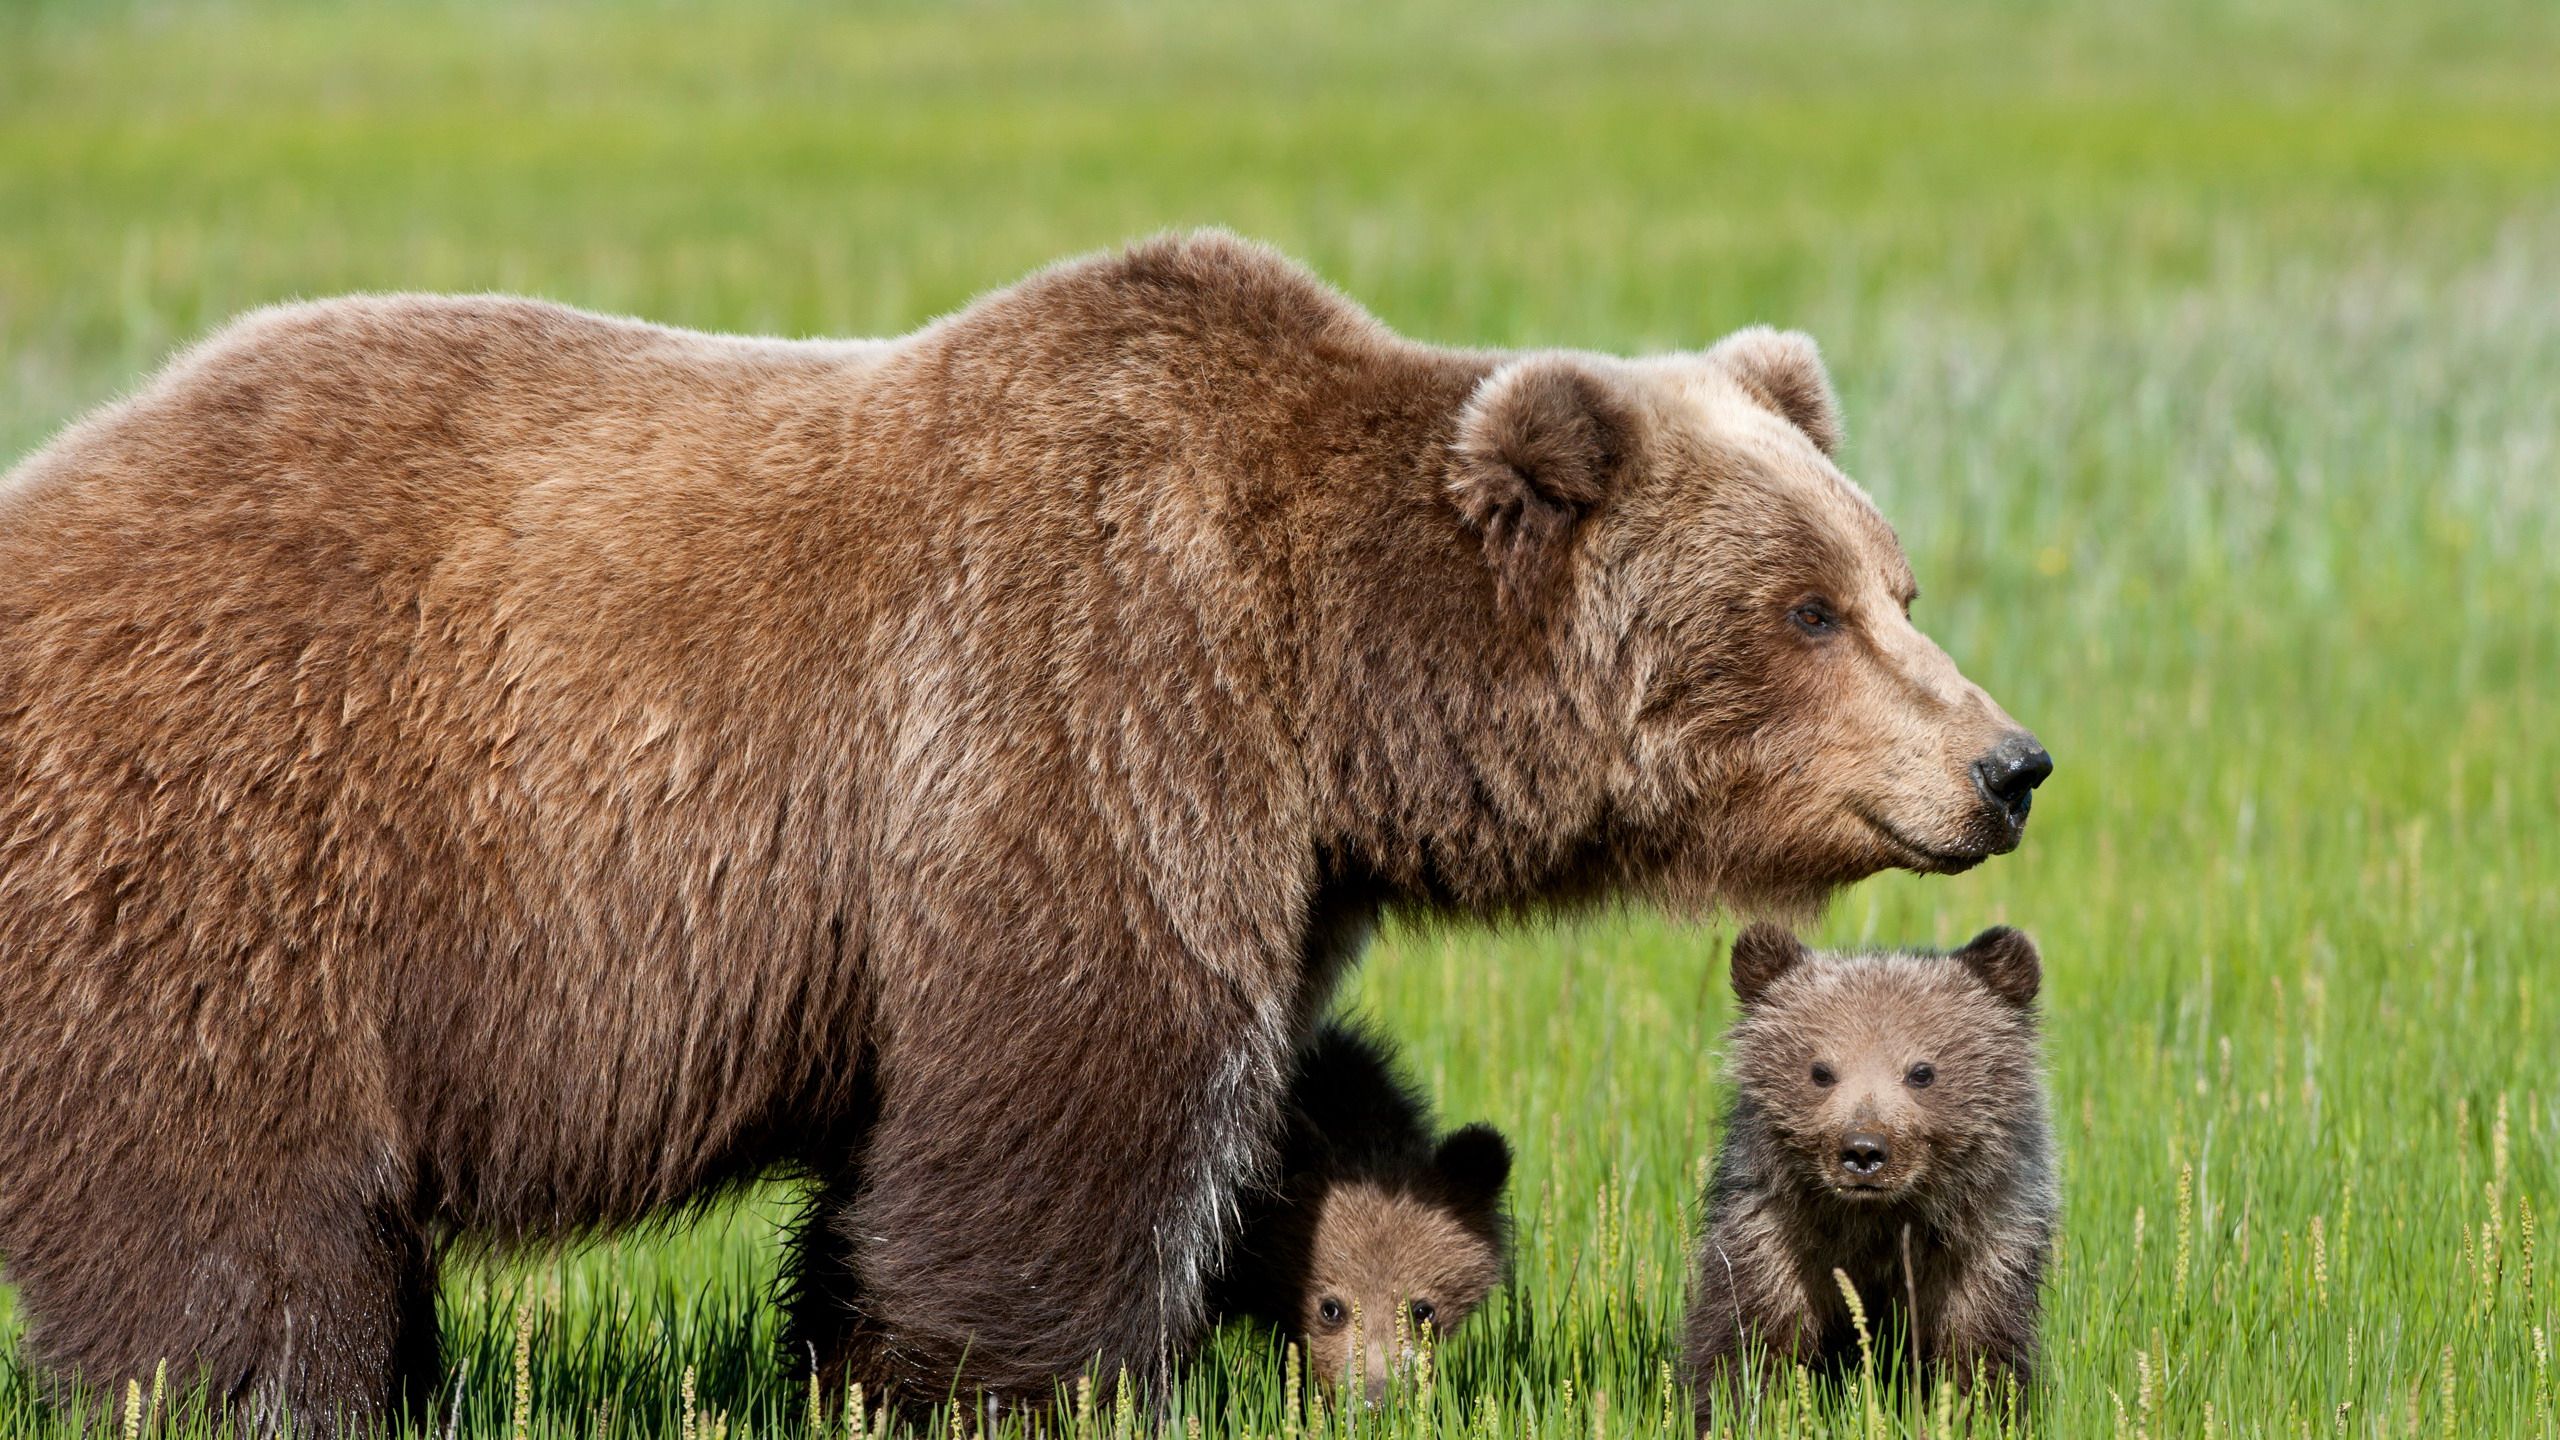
[1761, 954]
[1475, 1162]
[1782, 369]
[2006, 962]
[1542, 441]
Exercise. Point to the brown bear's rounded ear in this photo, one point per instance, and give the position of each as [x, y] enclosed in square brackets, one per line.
[2006, 962]
[1783, 371]
[1542, 441]
[1475, 1162]
[1761, 954]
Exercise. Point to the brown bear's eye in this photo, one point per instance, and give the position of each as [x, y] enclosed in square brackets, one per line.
[1814, 617]
[1822, 1075]
[1920, 1075]
[1330, 1311]
[1422, 1313]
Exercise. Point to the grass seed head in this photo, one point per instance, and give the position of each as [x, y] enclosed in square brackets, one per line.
[522, 1415]
[2186, 1229]
[2319, 1263]
[2444, 1398]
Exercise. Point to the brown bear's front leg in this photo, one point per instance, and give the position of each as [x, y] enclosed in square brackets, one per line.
[1054, 1171]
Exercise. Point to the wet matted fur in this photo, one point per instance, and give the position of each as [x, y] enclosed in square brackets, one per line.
[472, 766]
[1925, 1069]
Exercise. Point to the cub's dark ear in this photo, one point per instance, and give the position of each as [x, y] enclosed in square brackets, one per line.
[1475, 1161]
[1761, 954]
[1782, 369]
[2006, 961]
[1543, 440]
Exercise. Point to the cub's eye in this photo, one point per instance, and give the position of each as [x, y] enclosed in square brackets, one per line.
[1822, 1075]
[1919, 1076]
[1422, 1313]
[1330, 1311]
[1814, 617]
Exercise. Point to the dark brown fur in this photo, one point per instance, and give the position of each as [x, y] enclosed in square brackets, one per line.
[1946, 1241]
[472, 766]
[1376, 1228]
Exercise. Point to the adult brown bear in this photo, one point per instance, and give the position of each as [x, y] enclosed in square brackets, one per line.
[469, 766]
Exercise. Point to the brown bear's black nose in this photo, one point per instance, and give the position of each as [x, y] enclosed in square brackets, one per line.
[1863, 1153]
[2010, 774]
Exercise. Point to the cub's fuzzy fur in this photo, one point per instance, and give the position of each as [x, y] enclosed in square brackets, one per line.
[469, 766]
[1376, 1228]
[1889, 1121]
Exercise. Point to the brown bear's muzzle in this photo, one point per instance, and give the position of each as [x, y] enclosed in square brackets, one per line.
[2008, 776]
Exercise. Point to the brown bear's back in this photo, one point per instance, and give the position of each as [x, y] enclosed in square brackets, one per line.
[476, 732]
[298, 656]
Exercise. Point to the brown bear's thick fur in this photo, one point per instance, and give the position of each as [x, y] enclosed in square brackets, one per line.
[1889, 1123]
[470, 766]
[1377, 1228]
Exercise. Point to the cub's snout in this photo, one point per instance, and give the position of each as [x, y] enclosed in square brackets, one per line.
[1863, 1153]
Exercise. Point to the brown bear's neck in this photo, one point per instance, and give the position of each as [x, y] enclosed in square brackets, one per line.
[1452, 761]
[1256, 449]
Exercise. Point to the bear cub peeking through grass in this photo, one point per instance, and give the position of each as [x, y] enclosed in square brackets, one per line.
[1375, 1231]
[1889, 1123]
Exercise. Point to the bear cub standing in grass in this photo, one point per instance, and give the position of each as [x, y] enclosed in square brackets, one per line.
[1375, 1230]
[1889, 1123]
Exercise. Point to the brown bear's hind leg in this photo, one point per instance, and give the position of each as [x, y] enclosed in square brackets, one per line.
[417, 1344]
[331, 1321]
[821, 1298]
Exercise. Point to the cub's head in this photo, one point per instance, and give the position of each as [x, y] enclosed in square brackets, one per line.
[1743, 614]
[1884, 1076]
[1387, 1254]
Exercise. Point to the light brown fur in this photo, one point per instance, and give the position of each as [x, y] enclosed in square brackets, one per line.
[468, 765]
[1379, 1252]
[1889, 1123]
[1378, 1228]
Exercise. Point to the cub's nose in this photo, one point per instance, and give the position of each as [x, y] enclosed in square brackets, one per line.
[1862, 1153]
[2010, 774]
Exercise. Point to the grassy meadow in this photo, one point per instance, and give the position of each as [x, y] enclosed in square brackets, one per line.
[2207, 355]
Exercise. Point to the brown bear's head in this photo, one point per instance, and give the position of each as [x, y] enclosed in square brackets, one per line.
[1880, 1075]
[1742, 612]
[1388, 1255]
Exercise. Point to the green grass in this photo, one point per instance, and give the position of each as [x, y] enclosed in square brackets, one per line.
[2208, 356]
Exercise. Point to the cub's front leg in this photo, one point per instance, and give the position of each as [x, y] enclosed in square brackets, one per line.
[1982, 1329]
[1750, 1321]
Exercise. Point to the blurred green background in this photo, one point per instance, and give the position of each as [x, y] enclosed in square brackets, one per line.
[2206, 354]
